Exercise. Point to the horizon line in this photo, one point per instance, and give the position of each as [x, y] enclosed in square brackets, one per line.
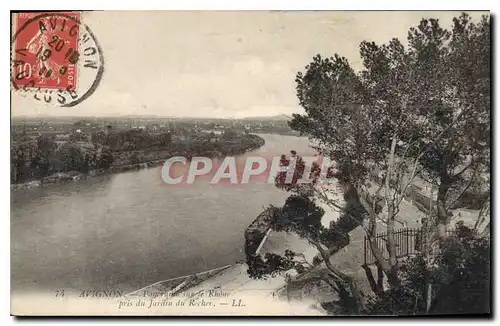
[147, 116]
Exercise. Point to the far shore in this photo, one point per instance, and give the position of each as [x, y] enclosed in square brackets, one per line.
[69, 176]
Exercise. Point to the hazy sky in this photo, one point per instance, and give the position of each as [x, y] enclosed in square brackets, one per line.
[220, 64]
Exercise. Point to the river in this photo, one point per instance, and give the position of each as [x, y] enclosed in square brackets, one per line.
[127, 230]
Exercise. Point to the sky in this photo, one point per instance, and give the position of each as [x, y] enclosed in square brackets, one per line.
[219, 64]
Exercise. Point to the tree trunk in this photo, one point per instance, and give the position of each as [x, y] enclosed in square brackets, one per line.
[371, 233]
[486, 231]
[376, 286]
[356, 294]
[391, 244]
[442, 214]
[371, 279]
[428, 299]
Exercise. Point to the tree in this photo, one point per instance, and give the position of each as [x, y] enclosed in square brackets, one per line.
[19, 155]
[290, 180]
[458, 94]
[392, 111]
[165, 139]
[73, 158]
[44, 157]
[409, 112]
[360, 121]
[300, 215]
[104, 158]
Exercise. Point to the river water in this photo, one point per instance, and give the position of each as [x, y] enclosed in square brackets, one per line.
[127, 230]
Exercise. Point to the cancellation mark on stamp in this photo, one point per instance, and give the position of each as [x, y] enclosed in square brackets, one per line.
[55, 59]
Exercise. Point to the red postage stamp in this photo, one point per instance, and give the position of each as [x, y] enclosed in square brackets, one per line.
[46, 51]
[56, 59]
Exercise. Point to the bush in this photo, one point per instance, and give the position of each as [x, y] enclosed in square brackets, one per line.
[460, 278]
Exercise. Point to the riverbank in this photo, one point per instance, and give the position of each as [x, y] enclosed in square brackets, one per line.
[128, 161]
[128, 230]
[232, 283]
[235, 283]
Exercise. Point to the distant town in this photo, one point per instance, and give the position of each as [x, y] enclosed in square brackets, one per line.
[64, 128]
[56, 149]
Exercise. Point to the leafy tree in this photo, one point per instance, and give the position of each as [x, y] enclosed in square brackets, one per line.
[411, 111]
[165, 139]
[458, 94]
[104, 158]
[392, 111]
[19, 156]
[45, 153]
[300, 215]
[297, 170]
[358, 121]
[73, 159]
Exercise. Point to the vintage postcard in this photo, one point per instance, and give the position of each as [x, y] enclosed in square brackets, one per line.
[229, 163]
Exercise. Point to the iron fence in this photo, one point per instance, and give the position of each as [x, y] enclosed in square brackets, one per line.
[408, 242]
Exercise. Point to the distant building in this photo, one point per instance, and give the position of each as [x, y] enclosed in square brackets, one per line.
[154, 127]
[62, 137]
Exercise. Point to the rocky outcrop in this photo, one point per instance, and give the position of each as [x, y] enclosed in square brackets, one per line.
[256, 231]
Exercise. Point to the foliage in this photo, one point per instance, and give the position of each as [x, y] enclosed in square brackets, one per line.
[390, 121]
[72, 158]
[458, 95]
[133, 139]
[36, 160]
[230, 134]
[443, 120]
[293, 184]
[104, 159]
[301, 216]
[351, 216]
[271, 265]
[134, 158]
[460, 278]
[416, 110]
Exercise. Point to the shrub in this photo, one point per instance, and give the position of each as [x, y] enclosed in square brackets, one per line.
[459, 275]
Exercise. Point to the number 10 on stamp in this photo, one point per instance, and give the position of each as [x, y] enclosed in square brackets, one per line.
[46, 51]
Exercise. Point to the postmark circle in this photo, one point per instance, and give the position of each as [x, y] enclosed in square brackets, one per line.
[56, 59]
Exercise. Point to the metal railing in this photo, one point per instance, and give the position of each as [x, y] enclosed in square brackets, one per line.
[409, 242]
